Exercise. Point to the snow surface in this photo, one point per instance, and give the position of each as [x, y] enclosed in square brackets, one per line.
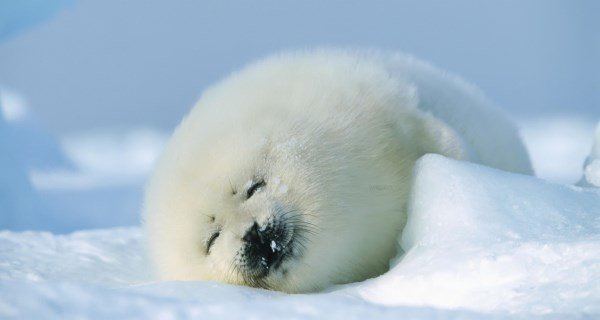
[479, 243]
[558, 145]
[485, 240]
[591, 172]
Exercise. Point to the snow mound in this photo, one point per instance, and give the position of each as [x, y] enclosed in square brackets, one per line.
[487, 240]
[557, 145]
[479, 243]
[591, 172]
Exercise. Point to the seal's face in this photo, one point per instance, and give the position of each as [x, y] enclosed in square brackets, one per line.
[253, 222]
[274, 240]
[261, 233]
[262, 228]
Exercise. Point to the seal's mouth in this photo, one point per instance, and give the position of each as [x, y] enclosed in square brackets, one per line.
[266, 248]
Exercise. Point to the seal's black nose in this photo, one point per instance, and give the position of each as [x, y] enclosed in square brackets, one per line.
[261, 248]
[252, 235]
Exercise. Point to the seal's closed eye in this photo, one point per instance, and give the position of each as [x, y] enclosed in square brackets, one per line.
[211, 241]
[255, 187]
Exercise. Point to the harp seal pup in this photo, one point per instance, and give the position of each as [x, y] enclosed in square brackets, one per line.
[293, 174]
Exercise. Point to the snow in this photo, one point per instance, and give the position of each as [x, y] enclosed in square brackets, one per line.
[275, 246]
[479, 243]
[592, 173]
[104, 274]
[110, 257]
[592, 164]
[278, 185]
[486, 240]
[197, 301]
[558, 145]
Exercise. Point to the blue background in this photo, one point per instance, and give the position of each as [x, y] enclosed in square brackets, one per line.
[111, 63]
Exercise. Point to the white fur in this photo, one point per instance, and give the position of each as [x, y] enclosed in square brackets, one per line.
[336, 134]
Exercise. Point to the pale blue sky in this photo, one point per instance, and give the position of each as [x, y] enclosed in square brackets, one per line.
[111, 63]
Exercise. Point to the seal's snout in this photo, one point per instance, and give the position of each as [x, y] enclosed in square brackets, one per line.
[263, 248]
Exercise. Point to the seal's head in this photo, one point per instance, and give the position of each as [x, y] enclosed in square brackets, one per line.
[291, 175]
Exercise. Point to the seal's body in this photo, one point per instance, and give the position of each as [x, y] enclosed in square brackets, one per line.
[294, 173]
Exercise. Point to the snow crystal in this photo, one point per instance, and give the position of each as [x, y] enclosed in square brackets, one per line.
[275, 246]
[263, 261]
[280, 187]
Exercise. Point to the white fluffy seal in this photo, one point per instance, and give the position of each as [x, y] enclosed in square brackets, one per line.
[293, 174]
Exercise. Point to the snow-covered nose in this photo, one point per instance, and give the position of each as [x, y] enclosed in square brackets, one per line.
[262, 249]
